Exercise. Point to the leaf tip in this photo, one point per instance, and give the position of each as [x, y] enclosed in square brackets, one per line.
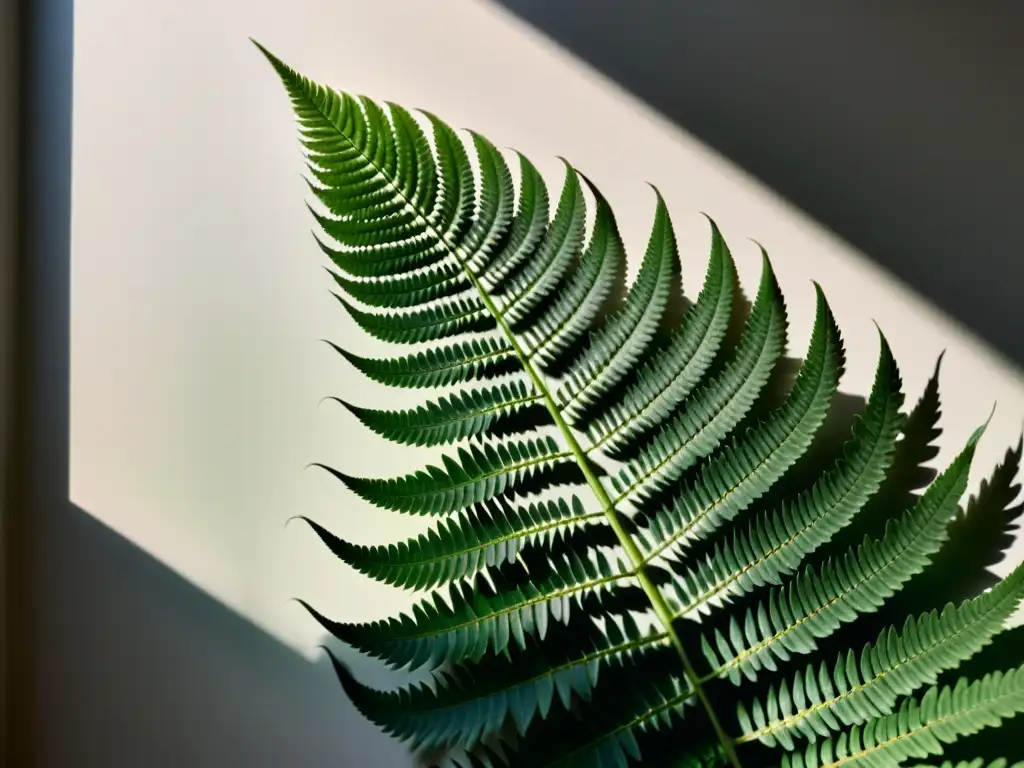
[766, 263]
[976, 436]
[331, 398]
[992, 412]
[282, 69]
[322, 620]
[657, 193]
[348, 680]
[296, 517]
[711, 221]
[330, 470]
[565, 161]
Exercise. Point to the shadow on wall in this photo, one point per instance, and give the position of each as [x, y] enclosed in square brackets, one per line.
[899, 129]
[154, 672]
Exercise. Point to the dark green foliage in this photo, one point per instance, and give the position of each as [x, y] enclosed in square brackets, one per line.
[638, 551]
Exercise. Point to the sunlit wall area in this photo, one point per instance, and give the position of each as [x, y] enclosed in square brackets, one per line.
[199, 301]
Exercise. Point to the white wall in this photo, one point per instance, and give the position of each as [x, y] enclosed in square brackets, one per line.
[198, 298]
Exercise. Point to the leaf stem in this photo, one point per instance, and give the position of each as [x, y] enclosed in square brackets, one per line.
[614, 518]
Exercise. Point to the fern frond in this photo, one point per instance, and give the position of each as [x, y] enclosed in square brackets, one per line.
[709, 416]
[634, 704]
[579, 300]
[464, 545]
[480, 473]
[486, 615]
[527, 230]
[817, 702]
[407, 290]
[910, 472]
[495, 208]
[817, 601]
[739, 474]
[618, 344]
[557, 251]
[920, 728]
[454, 418]
[469, 704]
[642, 550]
[666, 380]
[774, 544]
[438, 367]
[441, 321]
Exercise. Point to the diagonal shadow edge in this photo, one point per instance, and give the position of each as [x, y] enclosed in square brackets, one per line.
[147, 669]
[873, 129]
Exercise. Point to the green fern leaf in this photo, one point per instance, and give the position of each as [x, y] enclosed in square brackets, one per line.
[920, 728]
[405, 291]
[634, 706]
[618, 344]
[480, 474]
[737, 476]
[528, 228]
[817, 601]
[909, 473]
[637, 556]
[664, 382]
[557, 251]
[463, 546]
[438, 367]
[707, 418]
[774, 544]
[818, 702]
[483, 617]
[496, 206]
[452, 318]
[451, 419]
[465, 707]
[577, 302]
